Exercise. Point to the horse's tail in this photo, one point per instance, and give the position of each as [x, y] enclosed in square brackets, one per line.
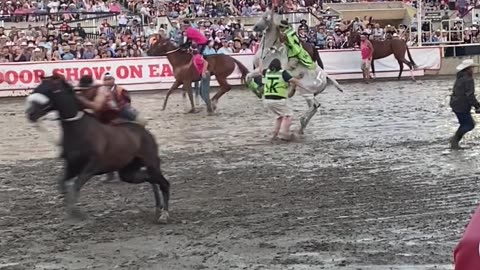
[243, 69]
[410, 55]
[335, 83]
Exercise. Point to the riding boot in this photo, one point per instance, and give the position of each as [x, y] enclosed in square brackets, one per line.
[455, 140]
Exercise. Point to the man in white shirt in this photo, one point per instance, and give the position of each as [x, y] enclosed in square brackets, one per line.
[245, 48]
[150, 30]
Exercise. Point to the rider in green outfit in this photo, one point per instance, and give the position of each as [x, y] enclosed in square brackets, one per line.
[296, 53]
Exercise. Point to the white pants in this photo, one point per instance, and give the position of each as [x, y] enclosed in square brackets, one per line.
[279, 107]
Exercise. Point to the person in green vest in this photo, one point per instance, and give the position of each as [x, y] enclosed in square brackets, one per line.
[275, 94]
[295, 51]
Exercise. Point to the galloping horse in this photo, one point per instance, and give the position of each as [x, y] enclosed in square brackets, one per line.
[384, 48]
[92, 148]
[314, 81]
[185, 73]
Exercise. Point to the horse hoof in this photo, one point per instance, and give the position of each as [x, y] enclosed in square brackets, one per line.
[163, 219]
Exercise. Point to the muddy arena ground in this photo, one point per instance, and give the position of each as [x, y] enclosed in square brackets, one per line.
[372, 185]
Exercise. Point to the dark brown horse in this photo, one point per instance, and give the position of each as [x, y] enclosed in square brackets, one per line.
[382, 49]
[219, 65]
[92, 148]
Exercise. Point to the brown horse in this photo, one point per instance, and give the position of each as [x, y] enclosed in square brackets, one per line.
[92, 148]
[382, 49]
[185, 73]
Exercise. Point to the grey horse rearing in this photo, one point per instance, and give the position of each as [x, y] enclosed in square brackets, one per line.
[314, 81]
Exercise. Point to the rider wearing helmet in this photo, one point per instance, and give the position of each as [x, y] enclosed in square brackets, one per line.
[295, 51]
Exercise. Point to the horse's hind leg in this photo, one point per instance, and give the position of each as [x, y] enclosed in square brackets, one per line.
[411, 67]
[157, 178]
[313, 106]
[224, 88]
[400, 63]
[174, 86]
[134, 174]
[372, 64]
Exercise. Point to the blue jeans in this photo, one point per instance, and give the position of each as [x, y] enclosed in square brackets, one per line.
[128, 113]
[466, 124]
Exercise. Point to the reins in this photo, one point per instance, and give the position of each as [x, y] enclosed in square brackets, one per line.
[78, 116]
[43, 130]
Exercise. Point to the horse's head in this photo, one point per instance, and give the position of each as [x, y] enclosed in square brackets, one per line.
[160, 45]
[264, 22]
[53, 93]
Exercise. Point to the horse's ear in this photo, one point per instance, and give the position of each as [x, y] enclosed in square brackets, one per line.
[152, 40]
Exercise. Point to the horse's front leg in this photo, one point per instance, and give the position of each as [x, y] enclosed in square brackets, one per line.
[187, 86]
[71, 199]
[62, 181]
[174, 86]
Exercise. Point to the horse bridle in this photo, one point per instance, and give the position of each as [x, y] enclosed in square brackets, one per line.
[262, 56]
[154, 40]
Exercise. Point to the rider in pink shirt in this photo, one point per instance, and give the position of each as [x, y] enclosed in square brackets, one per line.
[195, 36]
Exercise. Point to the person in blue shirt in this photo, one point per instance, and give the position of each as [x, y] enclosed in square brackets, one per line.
[209, 49]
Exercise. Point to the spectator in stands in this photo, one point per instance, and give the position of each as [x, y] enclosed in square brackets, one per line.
[150, 30]
[226, 48]
[321, 37]
[209, 49]
[245, 48]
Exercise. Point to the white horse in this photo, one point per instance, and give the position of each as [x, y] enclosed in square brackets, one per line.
[314, 81]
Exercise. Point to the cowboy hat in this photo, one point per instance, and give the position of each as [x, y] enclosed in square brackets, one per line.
[284, 24]
[466, 64]
[87, 82]
[108, 75]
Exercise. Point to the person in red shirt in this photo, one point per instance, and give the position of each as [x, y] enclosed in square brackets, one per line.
[366, 49]
[467, 253]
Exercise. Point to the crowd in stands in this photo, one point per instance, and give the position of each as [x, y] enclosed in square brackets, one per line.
[56, 10]
[54, 42]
